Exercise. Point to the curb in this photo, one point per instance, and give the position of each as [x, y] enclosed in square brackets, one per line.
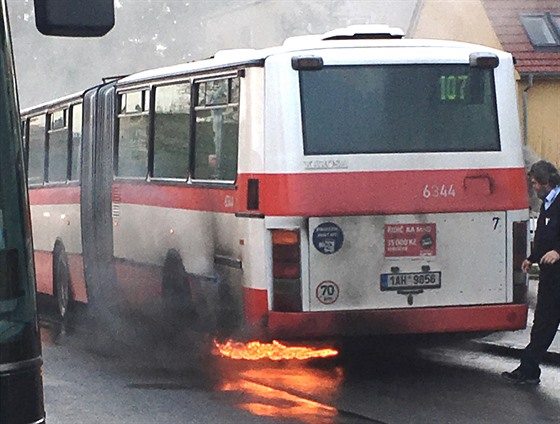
[514, 350]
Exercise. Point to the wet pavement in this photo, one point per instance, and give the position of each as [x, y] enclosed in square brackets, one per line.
[144, 382]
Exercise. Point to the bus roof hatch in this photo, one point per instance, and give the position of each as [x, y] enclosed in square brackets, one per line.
[353, 32]
[364, 32]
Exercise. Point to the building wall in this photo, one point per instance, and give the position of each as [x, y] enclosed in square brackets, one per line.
[468, 21]
[455, 20]
[543, 118]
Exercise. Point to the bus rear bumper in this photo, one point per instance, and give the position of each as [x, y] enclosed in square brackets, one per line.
[459, 319]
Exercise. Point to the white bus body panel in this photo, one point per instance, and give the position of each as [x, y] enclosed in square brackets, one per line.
[57, 222]
[144, 235]
[251, 122]
[284, 139]
[469, 253]
[255, 254]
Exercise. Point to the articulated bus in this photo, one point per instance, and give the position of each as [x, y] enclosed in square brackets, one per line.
[350, 183]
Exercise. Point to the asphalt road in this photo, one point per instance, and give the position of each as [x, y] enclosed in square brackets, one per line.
[376, 381]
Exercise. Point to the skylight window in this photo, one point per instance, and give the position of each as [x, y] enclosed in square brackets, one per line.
[543, 29]
[555, 18]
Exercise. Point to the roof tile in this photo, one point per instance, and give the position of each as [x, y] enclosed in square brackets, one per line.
[504, 17]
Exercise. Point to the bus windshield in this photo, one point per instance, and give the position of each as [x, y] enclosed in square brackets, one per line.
[398, 109]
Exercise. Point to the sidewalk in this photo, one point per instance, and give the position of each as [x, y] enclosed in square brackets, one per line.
[517, 340]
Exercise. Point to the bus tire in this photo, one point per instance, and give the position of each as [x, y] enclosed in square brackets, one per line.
[176, 295]
[61, 281]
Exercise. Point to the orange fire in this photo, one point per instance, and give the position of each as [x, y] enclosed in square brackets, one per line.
[276, 351]
[265, 401]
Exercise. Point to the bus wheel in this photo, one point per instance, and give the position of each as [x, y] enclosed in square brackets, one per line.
[176, 292]
[61, 279]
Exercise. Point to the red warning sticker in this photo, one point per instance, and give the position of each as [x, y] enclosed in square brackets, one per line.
[410, 240]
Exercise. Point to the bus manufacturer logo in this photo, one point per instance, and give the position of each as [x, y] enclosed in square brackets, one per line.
[325, 164]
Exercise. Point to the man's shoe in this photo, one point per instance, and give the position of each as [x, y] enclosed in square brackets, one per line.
[517, 377]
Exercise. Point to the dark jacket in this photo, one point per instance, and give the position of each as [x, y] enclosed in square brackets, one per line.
[547, 235]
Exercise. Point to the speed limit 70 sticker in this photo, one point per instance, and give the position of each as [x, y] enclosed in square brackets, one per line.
[327, 292]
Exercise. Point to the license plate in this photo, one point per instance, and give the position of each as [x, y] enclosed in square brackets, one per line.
[411, 280]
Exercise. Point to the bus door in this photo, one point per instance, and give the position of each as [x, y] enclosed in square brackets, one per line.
[97, 175]
[403, 261]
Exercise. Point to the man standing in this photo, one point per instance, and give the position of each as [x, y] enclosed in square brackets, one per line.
[546, 252]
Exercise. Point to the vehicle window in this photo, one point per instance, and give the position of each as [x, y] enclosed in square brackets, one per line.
[76, 142]
[172, 131]
[398, 109]
[58, 146]
[133, 123]
[216, 130]
[36, 153]
[543, 29]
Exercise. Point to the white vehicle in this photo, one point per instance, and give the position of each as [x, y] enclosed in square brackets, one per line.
[345, 184]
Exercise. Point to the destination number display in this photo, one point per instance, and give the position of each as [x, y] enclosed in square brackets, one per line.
[460, 88]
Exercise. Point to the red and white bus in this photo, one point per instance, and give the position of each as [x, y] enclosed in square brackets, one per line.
[350, 183]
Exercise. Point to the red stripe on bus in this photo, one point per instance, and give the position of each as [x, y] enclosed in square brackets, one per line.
[346, 193]
[398, 321]
[393, 192]
[138, 284]
[43, 271]
[56, 195]
[45, 279]
[77, 277]
[190, 197]
[255, 303]
[329, 194]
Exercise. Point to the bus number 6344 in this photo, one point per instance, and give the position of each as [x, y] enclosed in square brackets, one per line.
[436, 190]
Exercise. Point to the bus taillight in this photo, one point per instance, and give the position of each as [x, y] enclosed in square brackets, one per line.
[286, 271]
[519, 255]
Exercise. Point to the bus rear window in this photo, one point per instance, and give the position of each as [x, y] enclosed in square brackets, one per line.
[398, 109]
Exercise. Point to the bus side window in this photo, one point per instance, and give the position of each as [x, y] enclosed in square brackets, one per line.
[132, 148]
[172, 131]
[36, 151]
[216, 130]
[76, 142]
[58, 146]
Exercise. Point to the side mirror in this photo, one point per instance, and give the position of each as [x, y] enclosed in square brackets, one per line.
[74, 18]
